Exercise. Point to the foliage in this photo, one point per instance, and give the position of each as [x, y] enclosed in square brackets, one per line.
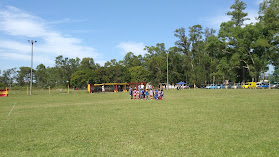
[139, 74]
[41, 75]
[275, 75]
[238, 16]
[23, 75]
[79, 79]
[9, 76]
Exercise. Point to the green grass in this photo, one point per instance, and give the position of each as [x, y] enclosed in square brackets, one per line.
[187, 123]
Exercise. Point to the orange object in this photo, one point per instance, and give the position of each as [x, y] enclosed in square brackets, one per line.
[4, 92]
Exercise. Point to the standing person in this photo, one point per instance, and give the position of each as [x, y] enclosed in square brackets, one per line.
[156, 94]
[138, 94]
[159, 94]
[151, 94]
[162, 93]
[135, 93]
[143, 94]
[146, 94]
[131, 92]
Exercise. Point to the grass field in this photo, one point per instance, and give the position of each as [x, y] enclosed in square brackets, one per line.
[187, 123]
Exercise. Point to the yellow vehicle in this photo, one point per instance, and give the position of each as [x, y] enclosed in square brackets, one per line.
[249, 85]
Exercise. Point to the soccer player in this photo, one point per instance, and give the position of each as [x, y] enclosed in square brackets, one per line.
[135, 93]
[131, 92]
[138, 94]
[146, 94]
[151, 94]
[159, 95]
[162, 93]
[156, 94]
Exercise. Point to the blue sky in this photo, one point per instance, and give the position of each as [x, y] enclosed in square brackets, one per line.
[103, 30]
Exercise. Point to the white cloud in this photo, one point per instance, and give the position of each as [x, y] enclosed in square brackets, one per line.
[37, 59]
[216, 21]
[101, 62]
[136, 48]
[16, 23]
[13, 46]
[259, 1]
[252, 15]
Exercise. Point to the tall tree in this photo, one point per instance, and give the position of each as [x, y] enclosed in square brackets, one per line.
[86, 63]
[23, 75]
[41, 75]
[183, 43]
[269, 11]
[275, 75]
[66, 67]
[139, 74]
[238, 16]
[156, 61]
[79, 79]
[101, 75]
[175, 59]
[237, 47]
[88, 66]
[131, 60]
[9, 76]
[197, 53]
[53, 76]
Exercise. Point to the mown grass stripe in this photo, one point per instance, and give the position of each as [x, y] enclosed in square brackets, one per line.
[11, 110]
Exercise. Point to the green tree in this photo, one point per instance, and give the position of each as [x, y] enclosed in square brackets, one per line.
[9, 76]
[65, 68]
[23, 75]
[52, 76]
[156, 63]
[131, 60]
[275, 75]
[87, 63]
[101, 75]
[269, 11]
[113, 70]
[239, 43]
[176, 72]
[88, 66]
[79, 79]
[41, 75]
[197, 54]
[184, 44]
[2, 85]
[238, 16]
[139, 74]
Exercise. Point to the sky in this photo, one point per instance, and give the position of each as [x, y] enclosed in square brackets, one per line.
[103, 30]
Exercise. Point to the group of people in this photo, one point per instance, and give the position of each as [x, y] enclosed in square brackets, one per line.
[146, 94]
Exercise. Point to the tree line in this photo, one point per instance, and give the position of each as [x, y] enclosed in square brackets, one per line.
[238, 52]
